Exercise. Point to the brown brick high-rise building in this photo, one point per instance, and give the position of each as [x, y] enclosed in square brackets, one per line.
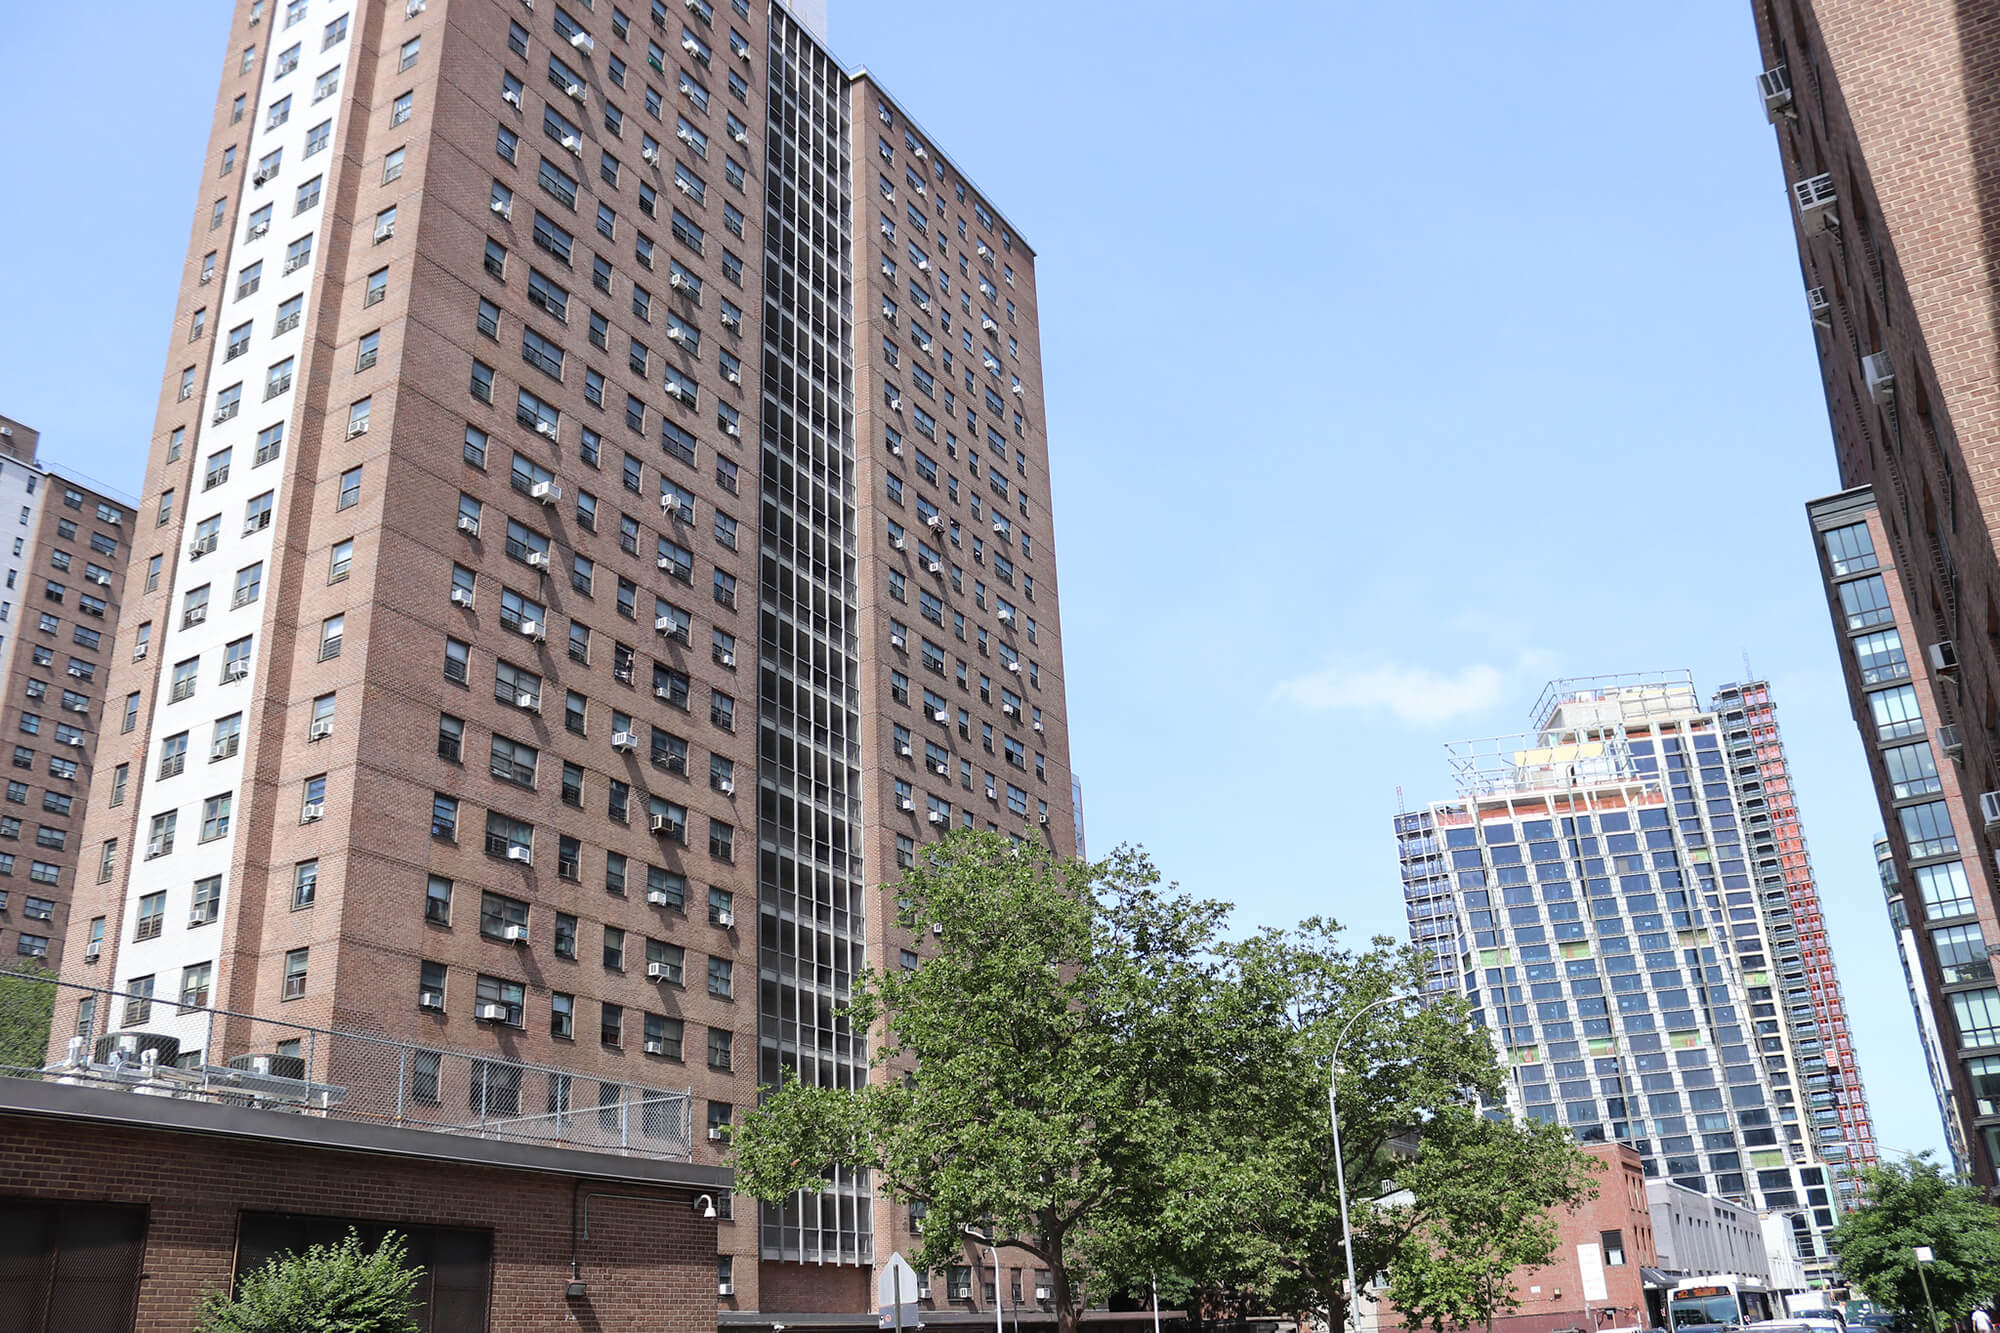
[602, 523]
[65, 576]
[1887, 127]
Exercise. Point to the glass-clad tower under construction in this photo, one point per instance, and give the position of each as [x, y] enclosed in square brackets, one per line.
[1589, 892]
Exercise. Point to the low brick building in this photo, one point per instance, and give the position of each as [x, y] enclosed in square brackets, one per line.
[119, 1211]
[1594, 1281]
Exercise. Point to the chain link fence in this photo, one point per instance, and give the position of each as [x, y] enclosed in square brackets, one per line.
[164, 1048]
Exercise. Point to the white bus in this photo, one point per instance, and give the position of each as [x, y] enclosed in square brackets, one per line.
[1717, 1300]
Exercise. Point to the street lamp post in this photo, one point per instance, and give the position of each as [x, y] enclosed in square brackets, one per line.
[1924, 1256]
[1339, 1168]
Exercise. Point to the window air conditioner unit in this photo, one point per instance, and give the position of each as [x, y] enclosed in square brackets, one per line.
[734, 377]
[1020, 392]
[657, 898]
[355, 428]
[260, 178]
[935, 522]
[1820, 307]
[468, 524]
[623, 741]
[321, 728]
[942, 715]
[525, 857]
[220, 417]
[743, 53]
[652, 156]
[91, 955]
[157, 847]
[936, 568]
[1944, 657]
[570, 142]
[547, 429]
[940, 768]
[1006, 616]
[664, 624]
[1775, 86]
[656, 1047]
[662, 824]
[729, 659]
[897, 542]
[200, 547]
[512, 98]
[898, 641]
[259, 230]
[538, 560]
[715, 1136]
[691, 46]
[431, 999]
[1015, 667]
[725, 1288]
[581, 41]
[1045, 819]
[462, 597]
[578, 93]
[532, 629]
[502, 207]
[235, 671]
[1043, 1294]
[1011, 710]
[492, 1013]
[658, 971]
[988, 324]
[726, 787]
[730, 321]
[1818, 204]
[1880, 377]
[741, 136]
[905, 803]
[903, 750]
[312, 812]
[1951, 740]
[726, 920]
[1989, 809]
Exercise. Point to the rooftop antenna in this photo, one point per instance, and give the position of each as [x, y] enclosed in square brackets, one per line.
[1400, 808]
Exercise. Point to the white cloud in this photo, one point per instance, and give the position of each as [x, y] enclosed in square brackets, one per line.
[1416, 695]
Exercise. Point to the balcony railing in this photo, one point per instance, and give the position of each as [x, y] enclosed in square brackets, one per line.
[216, 1055]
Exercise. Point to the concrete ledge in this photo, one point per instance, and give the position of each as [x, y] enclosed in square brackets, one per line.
[48, 1100]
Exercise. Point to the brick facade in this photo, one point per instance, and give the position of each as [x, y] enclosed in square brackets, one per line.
[1894, 107]
[648, 1261]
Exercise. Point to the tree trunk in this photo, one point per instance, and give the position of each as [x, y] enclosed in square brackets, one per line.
[1067, 1315]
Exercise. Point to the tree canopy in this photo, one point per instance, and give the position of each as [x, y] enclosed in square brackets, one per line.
[1087, 1069]
[1909, 1203]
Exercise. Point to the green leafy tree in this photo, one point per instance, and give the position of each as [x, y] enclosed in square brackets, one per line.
[26, 1006]
[1044, 1069]
[1441, 1198]
[1910, 1203]
[336, 1288]
[1488, 1193]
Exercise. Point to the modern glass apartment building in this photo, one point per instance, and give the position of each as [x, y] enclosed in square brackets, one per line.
[1589, 892]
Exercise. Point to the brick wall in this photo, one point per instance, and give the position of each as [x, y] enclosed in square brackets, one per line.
[649, 1262]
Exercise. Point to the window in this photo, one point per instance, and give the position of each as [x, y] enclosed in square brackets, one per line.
[1896, 713]
[340, 561]
[399, 110]
[611, 1026]
[152, 916]
[207, 905]
[1879, 656]
[562, 1015]
[294, 985]
[437, 901]
[498, 1002]
[1865, 602]
[1927, 829]
[721, 1044]
[499, 915]
[1850, 550]
[1978, 1015]
[1912, 770]
[1961, 954]
[215, 812]
[138, 1001]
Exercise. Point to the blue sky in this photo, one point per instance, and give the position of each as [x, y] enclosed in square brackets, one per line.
[1398, 358]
